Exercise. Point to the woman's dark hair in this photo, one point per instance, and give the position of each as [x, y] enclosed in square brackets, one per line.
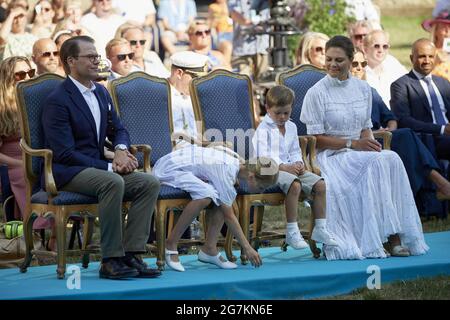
[71, 48]
[341, 42]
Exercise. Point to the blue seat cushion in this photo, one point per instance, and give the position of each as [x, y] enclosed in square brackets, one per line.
[273, 189]
[63, 198]
[167, 193]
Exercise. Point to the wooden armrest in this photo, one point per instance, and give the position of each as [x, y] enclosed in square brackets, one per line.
[47, 154]
[303, 141]
[386, 136]
[310, 159]
[146, 150]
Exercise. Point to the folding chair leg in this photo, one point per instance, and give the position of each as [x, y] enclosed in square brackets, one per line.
[61, 225]
[28, 232]
[73, 234]
[228, 246]
[258, 215]
[160, 236]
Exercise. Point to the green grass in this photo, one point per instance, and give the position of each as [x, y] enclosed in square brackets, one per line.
[403, 32]
[435, 288]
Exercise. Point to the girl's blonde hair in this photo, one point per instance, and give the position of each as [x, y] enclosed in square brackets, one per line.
[265, 169]
[9, 119]
[305, 44]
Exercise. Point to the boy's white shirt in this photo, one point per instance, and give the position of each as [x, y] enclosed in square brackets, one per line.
[269, 142]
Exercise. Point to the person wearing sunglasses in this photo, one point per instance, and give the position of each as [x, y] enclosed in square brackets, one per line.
[13, 70]
[367, 187]
[75, 123]
[18, 42]
[42, 19]
[419, 163]
[357, 31]
[46, 56]
[383, 68]
[118, 51]
[311, 49]
[143, 60]
[200, 42]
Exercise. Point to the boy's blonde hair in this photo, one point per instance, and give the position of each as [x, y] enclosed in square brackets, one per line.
[279, 96]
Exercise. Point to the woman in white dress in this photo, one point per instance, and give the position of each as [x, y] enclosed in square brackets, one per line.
[369, 200]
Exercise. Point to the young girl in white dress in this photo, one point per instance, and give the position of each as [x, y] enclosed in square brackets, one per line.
[369, 199]
[209, 175]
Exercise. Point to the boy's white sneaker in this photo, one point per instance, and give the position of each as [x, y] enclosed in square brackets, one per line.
[322, 235]
[295, 240]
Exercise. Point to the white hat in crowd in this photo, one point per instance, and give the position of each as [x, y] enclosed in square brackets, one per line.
[190, 61]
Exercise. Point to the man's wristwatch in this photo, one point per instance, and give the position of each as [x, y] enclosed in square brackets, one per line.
[121, 147]
[348, 144]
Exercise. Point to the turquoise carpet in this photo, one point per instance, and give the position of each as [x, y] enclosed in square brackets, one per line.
[284, 275]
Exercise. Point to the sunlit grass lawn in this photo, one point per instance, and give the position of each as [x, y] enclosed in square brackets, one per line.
[403, 32]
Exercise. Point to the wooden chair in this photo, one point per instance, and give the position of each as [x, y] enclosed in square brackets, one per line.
[31, 96]
[144, 105]
[223, 102]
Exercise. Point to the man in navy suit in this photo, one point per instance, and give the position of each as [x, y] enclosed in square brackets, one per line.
[422, 101]
[78, 116]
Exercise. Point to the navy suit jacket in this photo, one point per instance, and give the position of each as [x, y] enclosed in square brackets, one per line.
[410, 104]
[381, 115]
[70, 131]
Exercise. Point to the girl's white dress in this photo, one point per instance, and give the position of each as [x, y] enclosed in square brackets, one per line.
[368, 193]
[202, 172]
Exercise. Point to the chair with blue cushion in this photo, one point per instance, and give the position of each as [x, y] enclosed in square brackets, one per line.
[143, 103]
[300, 80]
[223, 102]
[62, 205]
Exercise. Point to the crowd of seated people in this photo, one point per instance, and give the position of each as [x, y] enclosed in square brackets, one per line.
[54, 37]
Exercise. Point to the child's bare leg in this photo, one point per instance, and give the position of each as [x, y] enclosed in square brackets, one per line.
[236, 230]
[291, 202]
[319, 203]
[214, 221]
[293, 236]
[191, 211]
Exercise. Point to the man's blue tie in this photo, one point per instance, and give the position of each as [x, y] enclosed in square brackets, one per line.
[435, 103]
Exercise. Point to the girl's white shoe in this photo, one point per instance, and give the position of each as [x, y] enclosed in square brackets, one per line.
[177, 266]
[217, 260]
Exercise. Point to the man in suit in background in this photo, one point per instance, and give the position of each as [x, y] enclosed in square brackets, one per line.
[422, 101]
[78, 116]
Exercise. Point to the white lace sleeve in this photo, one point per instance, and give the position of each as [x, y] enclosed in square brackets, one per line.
[312, 114]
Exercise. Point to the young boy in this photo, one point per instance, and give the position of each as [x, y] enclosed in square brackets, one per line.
[276, 137]
[209, 175]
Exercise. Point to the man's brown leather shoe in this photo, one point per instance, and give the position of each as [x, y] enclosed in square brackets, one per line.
[136, 262]
[115, 268]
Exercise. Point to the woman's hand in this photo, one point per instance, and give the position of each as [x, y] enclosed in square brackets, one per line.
[366, 144]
